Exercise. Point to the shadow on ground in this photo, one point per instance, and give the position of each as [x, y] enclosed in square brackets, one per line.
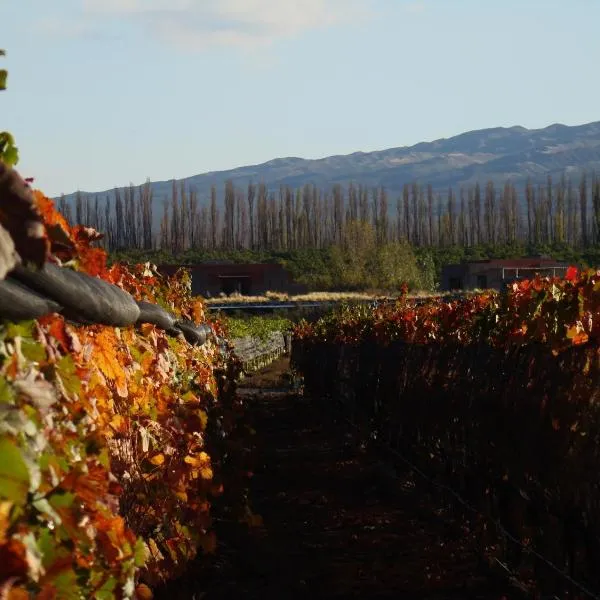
[338, 523]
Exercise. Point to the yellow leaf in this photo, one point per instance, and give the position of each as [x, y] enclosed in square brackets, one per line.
[118, 423]
[201, 464]
[203, 418]
[158, 459]
[4, 519]
[182, 496]
[200, 460]
[154, 550]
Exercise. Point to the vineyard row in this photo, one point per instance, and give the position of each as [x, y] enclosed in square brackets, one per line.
[496, 398]
[121, 435]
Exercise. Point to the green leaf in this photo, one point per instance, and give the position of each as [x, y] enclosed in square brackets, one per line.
[62, 500]
[24, 329]
[66, 585]
[14, 476]
[7, 394]
[67, 372]
[104, 458]
[3, 77]
[11, 155]
[47, 546]
[140, 553]
[106, 591]
[33, 351]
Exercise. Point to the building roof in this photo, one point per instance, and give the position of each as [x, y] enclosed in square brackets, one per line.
[531, 262]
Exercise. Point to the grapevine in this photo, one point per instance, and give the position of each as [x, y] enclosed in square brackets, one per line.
[106, 481]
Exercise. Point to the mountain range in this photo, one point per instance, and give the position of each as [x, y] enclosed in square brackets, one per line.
[497, 154]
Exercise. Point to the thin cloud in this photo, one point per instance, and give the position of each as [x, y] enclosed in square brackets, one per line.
[197, 24]
[416, 8]
[76, 28]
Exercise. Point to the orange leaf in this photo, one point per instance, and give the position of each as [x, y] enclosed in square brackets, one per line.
[90, 486]
[143, 592]
[158, 459]
[198, 311]
[56, 329]
[105, 357]
[18, 593]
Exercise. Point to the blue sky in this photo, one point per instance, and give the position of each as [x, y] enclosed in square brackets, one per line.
[106, 92]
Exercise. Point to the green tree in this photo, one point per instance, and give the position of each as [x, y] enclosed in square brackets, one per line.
[352, 258]
[391, 265]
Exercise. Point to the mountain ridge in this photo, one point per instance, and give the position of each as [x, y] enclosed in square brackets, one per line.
[496, 154]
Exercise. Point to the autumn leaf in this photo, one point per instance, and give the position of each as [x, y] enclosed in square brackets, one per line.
[18, 593]
[88, 486]
[200, 464]
[158, 459]
[143, 592]
[57, 330]
[106, 347]
[198, 312]
[13, 560]
[576, 334]
[93, 261]
[571, 274]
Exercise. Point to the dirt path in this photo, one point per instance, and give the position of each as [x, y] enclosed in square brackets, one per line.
[337, 523]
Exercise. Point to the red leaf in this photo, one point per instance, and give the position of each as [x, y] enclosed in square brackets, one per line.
[571, 274]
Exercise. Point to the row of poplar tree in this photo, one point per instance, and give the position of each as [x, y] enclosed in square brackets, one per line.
[257, 218]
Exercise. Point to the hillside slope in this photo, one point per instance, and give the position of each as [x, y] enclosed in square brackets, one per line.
[488, 154]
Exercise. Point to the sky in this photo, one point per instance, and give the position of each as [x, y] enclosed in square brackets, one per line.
[102, 93]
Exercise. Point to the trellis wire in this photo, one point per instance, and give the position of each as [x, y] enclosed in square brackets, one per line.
[580, 586]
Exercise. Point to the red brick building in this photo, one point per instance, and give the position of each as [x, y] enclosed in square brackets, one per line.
[212, 279]
[497, 273]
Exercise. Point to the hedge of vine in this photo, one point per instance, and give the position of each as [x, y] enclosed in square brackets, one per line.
[494, 395]
[115, 443]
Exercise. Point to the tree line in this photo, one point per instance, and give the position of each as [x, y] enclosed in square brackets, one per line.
[256, 218]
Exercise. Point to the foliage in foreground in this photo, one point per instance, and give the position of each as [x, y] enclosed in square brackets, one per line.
[105, 472]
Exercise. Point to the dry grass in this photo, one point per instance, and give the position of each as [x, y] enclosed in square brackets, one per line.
[270, 297]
